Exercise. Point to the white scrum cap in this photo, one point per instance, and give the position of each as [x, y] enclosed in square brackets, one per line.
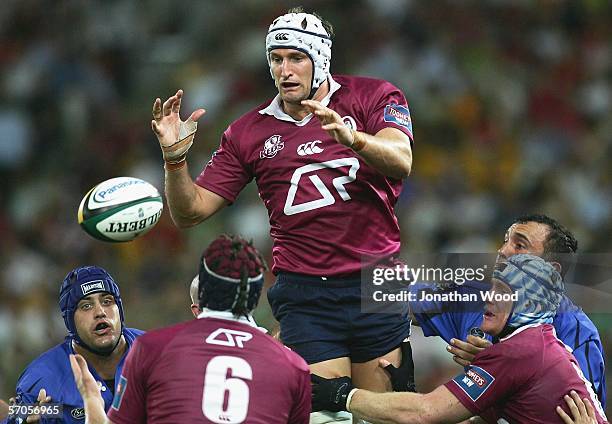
[303, 32]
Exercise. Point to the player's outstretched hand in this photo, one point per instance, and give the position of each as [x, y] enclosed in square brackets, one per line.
[41, 399]
[175, 136]
[402, 378]
[330, 394]
[90, 392]
[464, 351]
[331, 122]
[582, 410]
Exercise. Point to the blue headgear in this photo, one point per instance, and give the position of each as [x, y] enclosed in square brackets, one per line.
[81, 282]
[539, 287]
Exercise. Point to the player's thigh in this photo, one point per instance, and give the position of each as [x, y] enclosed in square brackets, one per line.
[337, 367]
[370, 376]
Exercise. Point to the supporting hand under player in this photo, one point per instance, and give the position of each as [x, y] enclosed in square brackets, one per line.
[402, 377]
[175, 136]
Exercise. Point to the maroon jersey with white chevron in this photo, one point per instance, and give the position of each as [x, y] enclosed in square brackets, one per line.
[522, 379]
[211, 370]
[328, 209]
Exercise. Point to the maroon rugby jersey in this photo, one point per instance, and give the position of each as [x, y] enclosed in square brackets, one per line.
[328, 209]
[522, 379]
[211, 370]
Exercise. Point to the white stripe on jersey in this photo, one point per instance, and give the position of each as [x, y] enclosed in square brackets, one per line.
[587, 383]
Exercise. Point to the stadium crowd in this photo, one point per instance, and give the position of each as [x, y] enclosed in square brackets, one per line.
[511, 105]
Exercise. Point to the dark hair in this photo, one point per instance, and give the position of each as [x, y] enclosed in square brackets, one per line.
[559, 239]
[560, 243]
[326, 25]
[235, 258]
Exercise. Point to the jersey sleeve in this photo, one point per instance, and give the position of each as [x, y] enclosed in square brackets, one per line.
[590, 359]
[300, 413]
[389, 109]
[491, 378]
[225, 174]
[129, 404]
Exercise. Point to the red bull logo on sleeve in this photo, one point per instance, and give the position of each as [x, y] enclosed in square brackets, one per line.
[399, 115]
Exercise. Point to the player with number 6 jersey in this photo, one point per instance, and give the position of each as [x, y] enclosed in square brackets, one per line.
[328, 154]
[215, 369]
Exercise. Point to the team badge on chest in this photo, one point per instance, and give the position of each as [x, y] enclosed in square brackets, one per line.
[272, 146]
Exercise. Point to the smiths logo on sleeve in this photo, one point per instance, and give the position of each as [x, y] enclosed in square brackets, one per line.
[474, 382]
[92, 286]
[119, 393]
[399, 115]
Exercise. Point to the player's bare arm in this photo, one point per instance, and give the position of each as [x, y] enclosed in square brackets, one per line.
[438, 406]
[92, 400]
[464, 351]
[388, 151]
[189, 203]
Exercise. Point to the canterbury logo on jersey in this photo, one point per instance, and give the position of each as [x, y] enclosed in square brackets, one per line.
[309, 148]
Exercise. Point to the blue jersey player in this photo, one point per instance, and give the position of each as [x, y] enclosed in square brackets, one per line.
[91, 306]
[538, 235]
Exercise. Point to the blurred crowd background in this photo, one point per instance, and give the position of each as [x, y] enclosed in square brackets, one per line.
[511, 104]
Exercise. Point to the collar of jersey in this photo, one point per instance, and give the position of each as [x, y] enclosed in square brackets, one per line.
[275, 109]
[521, 329]
[228, 315]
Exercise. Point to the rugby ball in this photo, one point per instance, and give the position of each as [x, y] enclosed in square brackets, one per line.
[120, 209]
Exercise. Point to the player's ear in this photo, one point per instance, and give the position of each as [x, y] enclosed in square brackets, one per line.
[195, 310]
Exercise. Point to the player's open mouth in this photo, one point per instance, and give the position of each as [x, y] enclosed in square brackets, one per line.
[289, 85]
[489, 314]
[102, 329]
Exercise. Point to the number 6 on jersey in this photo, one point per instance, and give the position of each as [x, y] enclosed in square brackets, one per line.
[217, 384]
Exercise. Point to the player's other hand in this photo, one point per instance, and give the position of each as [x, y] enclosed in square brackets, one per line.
[89, 389]
[330, 122]
[41, 399]
[330, 394]
[581, 409]
[175, 136]
[464, 351]
[402, 378]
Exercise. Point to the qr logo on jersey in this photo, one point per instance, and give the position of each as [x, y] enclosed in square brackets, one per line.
[399, 115]
[474, 382]
[229, 338]
[272, 146]
[121, 386]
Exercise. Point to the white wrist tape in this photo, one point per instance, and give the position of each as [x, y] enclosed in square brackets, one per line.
[176, 152]
[349, 398]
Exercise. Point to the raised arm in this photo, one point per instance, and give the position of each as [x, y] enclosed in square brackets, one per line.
[189, 203]
[92, 400]
[388, 151]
